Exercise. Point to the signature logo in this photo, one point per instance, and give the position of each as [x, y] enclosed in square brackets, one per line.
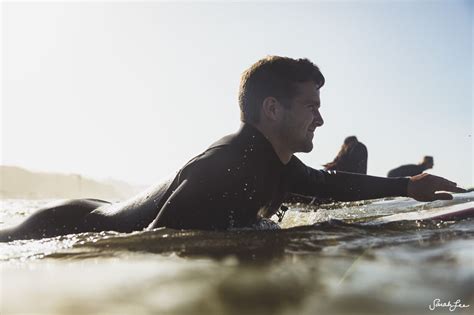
[450, 305]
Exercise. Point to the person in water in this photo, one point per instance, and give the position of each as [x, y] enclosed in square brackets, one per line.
[351, 158]
[244, 176]
[412, 169]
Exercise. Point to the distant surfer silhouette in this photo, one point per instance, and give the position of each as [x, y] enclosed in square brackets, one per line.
[242, 177]
[352, 157]
[412, 169]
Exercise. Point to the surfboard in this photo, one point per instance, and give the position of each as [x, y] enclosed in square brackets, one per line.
[449, 213]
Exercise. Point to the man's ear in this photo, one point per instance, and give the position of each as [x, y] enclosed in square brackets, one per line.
[271, 108]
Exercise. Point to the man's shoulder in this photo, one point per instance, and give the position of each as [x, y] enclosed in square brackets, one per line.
[405, 170]
[241, 154]
[409, 167]
[403, 167]
[224, 142]
[214, 156]
[215, 160]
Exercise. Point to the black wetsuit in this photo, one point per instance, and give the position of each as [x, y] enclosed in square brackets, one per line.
[240, 177]
[407, 170]
[233, 183]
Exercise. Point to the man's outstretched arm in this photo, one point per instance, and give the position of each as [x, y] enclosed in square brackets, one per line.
[344, 186]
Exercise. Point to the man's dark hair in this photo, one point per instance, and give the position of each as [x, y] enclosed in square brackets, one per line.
[273, 76]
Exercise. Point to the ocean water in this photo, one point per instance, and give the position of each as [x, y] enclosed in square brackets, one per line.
[322, 261]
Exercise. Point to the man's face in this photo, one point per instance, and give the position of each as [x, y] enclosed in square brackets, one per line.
[301, 118]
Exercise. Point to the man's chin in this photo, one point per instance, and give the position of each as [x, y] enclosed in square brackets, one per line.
[307, 147]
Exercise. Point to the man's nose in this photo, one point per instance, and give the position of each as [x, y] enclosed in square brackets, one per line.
[319, 119]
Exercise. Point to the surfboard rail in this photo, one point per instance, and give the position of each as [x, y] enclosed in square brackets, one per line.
[449, 213]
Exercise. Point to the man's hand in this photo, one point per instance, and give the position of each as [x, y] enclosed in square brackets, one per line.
[424, 187]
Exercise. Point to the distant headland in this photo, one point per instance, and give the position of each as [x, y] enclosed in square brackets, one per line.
[17, 182]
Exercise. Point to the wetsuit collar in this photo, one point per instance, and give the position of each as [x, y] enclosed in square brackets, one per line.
[254, 137]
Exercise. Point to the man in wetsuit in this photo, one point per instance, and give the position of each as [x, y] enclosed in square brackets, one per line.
[243, 176]
[412, 169]
[249, 174]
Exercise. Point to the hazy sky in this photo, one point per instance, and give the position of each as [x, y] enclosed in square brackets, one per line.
[132, 91]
